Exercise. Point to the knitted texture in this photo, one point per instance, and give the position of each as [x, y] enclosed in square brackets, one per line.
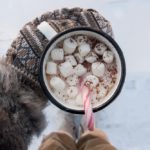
[26, 50]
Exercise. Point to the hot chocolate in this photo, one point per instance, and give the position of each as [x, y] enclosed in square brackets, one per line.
[81, 60]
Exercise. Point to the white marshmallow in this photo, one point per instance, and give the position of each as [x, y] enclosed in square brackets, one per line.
[98, 69]
[72, 91]
[57, 83]
[91, 57]
[79, 100]
[91, 81]
[71, 59]
[61, 95]
[66, 69]
[69, 45]
[108, 57]
[84, 49]
[79, 58]
[100, 48]
[51, 68]
[72, 80]
[80, 70]
[57, 54]
[102, 92]
[81, 39]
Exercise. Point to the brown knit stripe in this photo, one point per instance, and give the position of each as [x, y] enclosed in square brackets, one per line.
[83, 20]
[25, 77]
[100, 19]
[63, 25]
[46, 16]
[72, 14]
[42, 38]
[75, 10]
[54, 26]
[33, 40]
[57, 14]
[67, 24]
[93, 23]
[36, 40]
[104, 25]
[64, 13]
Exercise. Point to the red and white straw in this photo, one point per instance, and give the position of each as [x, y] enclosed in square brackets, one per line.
[89, 116]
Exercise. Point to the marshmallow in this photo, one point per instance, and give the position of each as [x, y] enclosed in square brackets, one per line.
[57, 54]
[81, 39]
[91, 57]
[91, 81]
[72, 91]
[79, 100]
[72, 80]
[66, 69]
[71, 59]
[80, 70]
[57, 83]
[51, 68]
[108, 57]
[84, 49]
[61, 95]
[98, 69]
[102, 92]
[79, 58]
[69, 45]
[100, 48]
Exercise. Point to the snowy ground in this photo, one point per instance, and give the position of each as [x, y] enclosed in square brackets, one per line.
[127, 120]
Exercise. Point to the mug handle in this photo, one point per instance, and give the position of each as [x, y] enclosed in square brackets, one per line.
[46, 30]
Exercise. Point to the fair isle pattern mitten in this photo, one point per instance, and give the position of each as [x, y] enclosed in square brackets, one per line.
[26, 50]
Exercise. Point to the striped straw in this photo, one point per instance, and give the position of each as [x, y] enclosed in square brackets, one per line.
[89, 116]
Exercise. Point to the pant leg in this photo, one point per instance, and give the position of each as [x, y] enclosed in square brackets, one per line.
[94, 140]
[58, 141]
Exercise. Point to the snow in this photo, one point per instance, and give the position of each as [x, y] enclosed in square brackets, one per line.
[127, 119]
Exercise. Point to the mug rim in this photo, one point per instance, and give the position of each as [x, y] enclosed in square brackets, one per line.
[122, 77]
